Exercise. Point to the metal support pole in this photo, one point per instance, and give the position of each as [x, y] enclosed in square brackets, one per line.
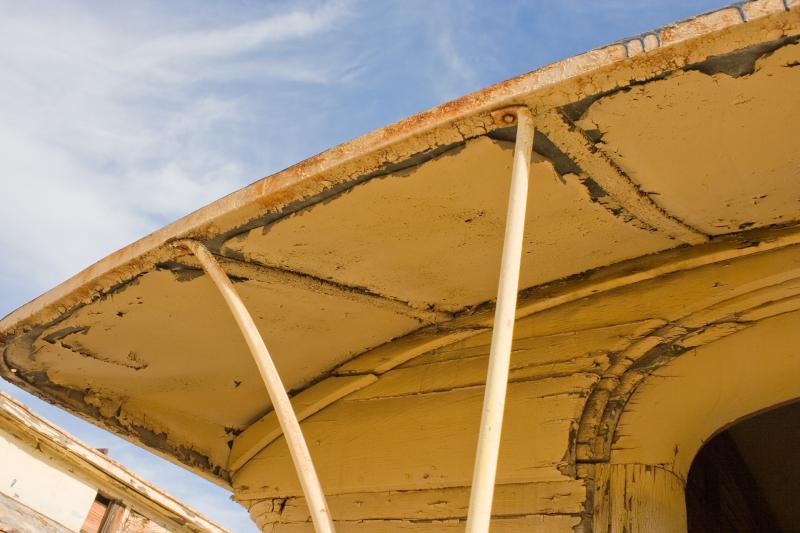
[483, 478]
[277, 394]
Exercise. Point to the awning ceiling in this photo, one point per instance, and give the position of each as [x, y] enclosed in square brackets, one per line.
[638, 152]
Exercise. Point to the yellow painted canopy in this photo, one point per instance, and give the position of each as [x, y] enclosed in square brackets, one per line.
[665, 178]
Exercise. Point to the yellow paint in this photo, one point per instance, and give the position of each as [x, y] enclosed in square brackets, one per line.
[693, 136]
[721, 382]
[654, 277]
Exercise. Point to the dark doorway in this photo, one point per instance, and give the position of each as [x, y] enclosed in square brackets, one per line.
[747, 478]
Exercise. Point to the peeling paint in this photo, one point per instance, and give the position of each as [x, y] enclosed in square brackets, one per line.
[740, 62]
[348, 259]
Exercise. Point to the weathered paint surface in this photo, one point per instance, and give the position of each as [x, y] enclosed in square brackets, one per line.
[569, 385]
[754, 369]
[639, 498]
[662, 233]
[448, 214]
[731, 127]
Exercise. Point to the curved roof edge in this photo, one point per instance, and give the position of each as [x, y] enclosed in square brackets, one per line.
[459, 119]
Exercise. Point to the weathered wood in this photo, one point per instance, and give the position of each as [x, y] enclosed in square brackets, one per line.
[357, 441]
[636, 498]
[526, 524]
[773, 308]
[450, 375]
[311, 400]
[719, 383]
[622, 277]
[89, 464]
[772, 293]
[552, 348]
[396, 352]
[463, 364]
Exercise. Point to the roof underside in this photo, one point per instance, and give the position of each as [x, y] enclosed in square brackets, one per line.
[399, 233]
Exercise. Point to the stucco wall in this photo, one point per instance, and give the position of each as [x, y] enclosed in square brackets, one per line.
[31, 477]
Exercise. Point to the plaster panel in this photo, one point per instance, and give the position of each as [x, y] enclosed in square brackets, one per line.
[716, 149]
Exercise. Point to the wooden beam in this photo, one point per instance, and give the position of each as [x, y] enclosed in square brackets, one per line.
[313, 399]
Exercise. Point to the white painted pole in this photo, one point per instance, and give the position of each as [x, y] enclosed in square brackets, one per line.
[494, 400]
[277, 394]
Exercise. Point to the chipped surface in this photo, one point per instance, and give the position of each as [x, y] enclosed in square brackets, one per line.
[190, 377]
[750, 375]
[377, 261]
[441, 504]
[441, 217]
[639, 498]
[440, 428]
[311, 400]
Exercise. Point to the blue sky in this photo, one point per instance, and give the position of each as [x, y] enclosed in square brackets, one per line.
[119, 117]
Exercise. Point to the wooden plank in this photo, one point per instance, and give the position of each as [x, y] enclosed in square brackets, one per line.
[554, 347]
[524, 524]
[509, 500]
[456, 374]
[111, 478]
[424, 441]
[313, 399]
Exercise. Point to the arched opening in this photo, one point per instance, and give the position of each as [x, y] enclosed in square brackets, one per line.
[747, 478]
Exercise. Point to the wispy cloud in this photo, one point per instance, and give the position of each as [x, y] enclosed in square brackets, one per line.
[240, 38]
[120, 130]
[458, 72]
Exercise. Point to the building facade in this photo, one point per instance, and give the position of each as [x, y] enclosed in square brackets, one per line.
[52, 483]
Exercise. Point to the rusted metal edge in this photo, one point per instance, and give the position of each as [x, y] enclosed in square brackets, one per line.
[232, 210]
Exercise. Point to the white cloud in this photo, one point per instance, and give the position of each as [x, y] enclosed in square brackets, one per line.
[108, 132]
